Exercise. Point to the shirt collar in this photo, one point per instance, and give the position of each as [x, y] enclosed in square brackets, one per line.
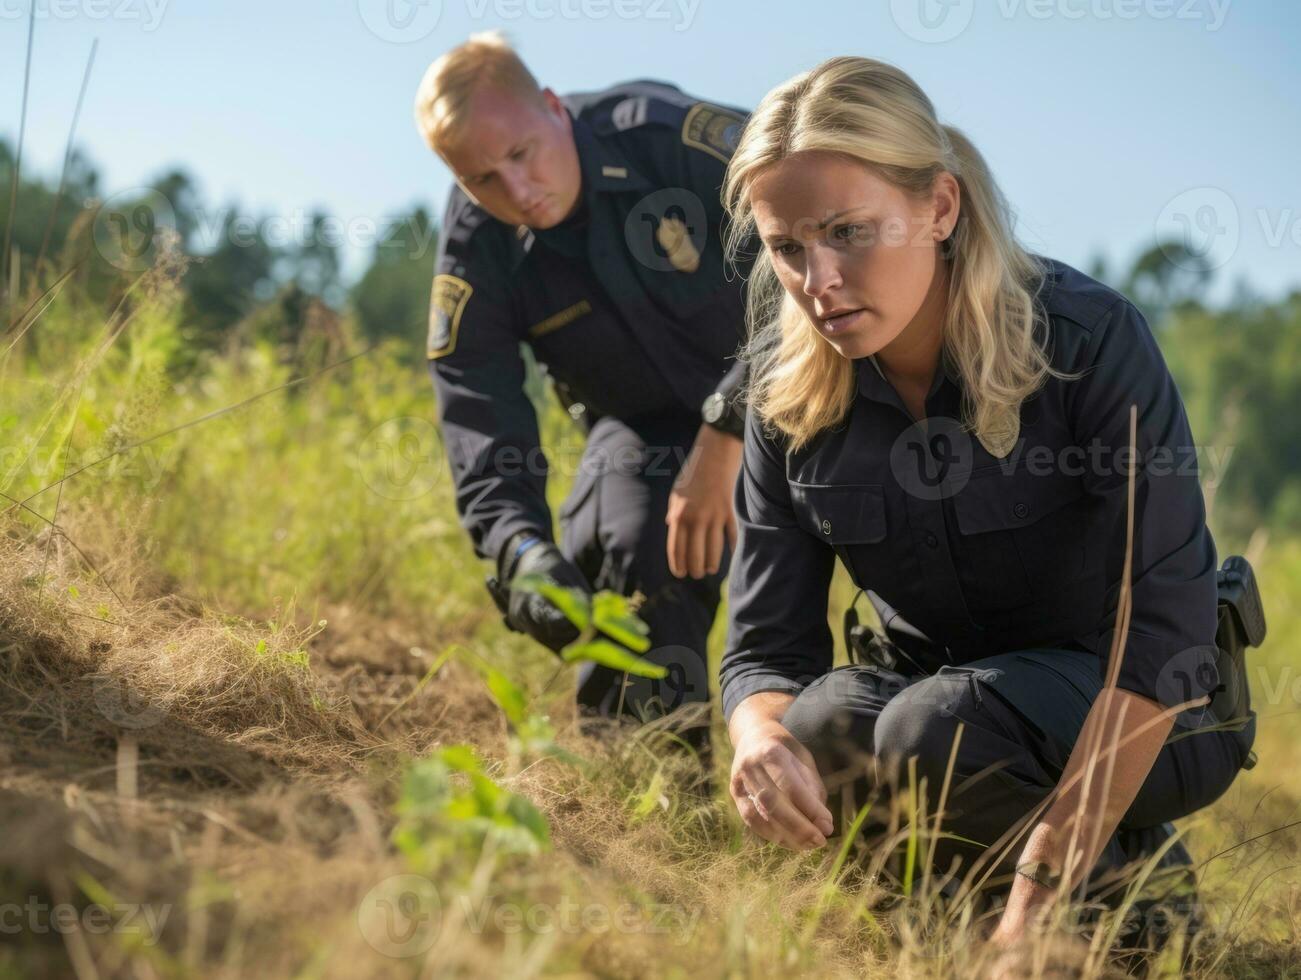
[604, 170]
[872, 381]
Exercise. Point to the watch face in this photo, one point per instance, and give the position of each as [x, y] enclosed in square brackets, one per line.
[714, 406]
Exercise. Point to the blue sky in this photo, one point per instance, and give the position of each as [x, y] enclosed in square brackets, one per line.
[1103, 120]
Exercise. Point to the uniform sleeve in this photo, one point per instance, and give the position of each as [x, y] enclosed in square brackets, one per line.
[1171, 636]
[489, 426]
[777, 635]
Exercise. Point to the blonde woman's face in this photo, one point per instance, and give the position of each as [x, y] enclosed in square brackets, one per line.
[857, 254]
[517, 159]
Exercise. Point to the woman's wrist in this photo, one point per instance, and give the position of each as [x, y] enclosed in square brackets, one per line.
[763, 708]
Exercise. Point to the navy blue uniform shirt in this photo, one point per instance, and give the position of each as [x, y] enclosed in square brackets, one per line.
[985, 554]
[627, 304]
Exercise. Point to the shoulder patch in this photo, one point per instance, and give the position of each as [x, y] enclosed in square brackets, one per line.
[713, 129]
[447, 302]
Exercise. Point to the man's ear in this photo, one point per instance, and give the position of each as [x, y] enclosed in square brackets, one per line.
[555, 106]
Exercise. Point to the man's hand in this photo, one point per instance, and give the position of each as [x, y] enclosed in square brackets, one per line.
[533, 613]
[700, 517]
[777, 789]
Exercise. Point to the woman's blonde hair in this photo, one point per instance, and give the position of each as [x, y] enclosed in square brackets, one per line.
[876, 114]
[443, 98]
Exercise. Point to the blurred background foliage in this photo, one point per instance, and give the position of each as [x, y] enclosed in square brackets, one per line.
[1236, 364]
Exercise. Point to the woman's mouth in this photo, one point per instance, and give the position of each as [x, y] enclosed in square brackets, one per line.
[840, 321]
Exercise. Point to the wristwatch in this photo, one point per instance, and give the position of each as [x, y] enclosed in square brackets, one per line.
[721, 412]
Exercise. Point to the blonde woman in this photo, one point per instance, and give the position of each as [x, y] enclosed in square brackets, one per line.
[950, 416]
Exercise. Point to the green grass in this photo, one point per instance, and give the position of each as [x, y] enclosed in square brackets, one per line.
[254, 680]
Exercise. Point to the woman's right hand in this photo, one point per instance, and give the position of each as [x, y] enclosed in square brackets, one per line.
[777, 789]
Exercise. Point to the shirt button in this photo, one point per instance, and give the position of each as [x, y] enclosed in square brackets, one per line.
[1020, 509]
[931, 540]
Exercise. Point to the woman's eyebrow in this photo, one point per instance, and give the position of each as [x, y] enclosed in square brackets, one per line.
[841, 214]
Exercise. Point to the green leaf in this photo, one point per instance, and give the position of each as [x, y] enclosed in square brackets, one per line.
[615, 657]
[509, 696]
[462, 758]
[612, 617]
[572, 602]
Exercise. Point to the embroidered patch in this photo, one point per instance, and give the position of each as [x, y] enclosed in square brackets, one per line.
[675, 238]
[447, 302]
[562, 319]
[714, 130]
[998, 444]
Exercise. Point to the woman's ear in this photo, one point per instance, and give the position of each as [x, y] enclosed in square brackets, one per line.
[946, 200]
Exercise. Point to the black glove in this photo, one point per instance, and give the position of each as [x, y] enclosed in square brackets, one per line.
[532, 612]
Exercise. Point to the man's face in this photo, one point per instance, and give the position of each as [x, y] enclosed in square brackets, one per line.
[517, 158]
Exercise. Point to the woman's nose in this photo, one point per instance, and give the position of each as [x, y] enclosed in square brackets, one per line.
[821, 271]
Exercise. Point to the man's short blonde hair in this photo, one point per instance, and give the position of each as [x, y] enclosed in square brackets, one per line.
[443, 98]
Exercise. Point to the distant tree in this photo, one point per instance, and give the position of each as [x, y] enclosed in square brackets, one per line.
[1166, 276]
[392, 297]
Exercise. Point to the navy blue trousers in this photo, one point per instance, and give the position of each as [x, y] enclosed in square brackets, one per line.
[1021, 713]
[612, 528]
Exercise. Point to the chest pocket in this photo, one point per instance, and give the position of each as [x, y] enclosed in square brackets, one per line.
[850, 518]
[1024, 535]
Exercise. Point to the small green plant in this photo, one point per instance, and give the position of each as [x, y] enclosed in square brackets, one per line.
[448, 802]
[605, 617]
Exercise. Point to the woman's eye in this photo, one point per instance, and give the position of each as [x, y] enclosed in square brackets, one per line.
[857, 234]
[785, 248]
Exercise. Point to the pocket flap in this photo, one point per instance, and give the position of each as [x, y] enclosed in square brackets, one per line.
[996, 500]
[849, 514]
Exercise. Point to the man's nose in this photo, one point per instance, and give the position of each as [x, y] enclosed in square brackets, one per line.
[517, 186]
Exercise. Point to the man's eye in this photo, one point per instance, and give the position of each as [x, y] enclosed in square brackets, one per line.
[520, 154]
